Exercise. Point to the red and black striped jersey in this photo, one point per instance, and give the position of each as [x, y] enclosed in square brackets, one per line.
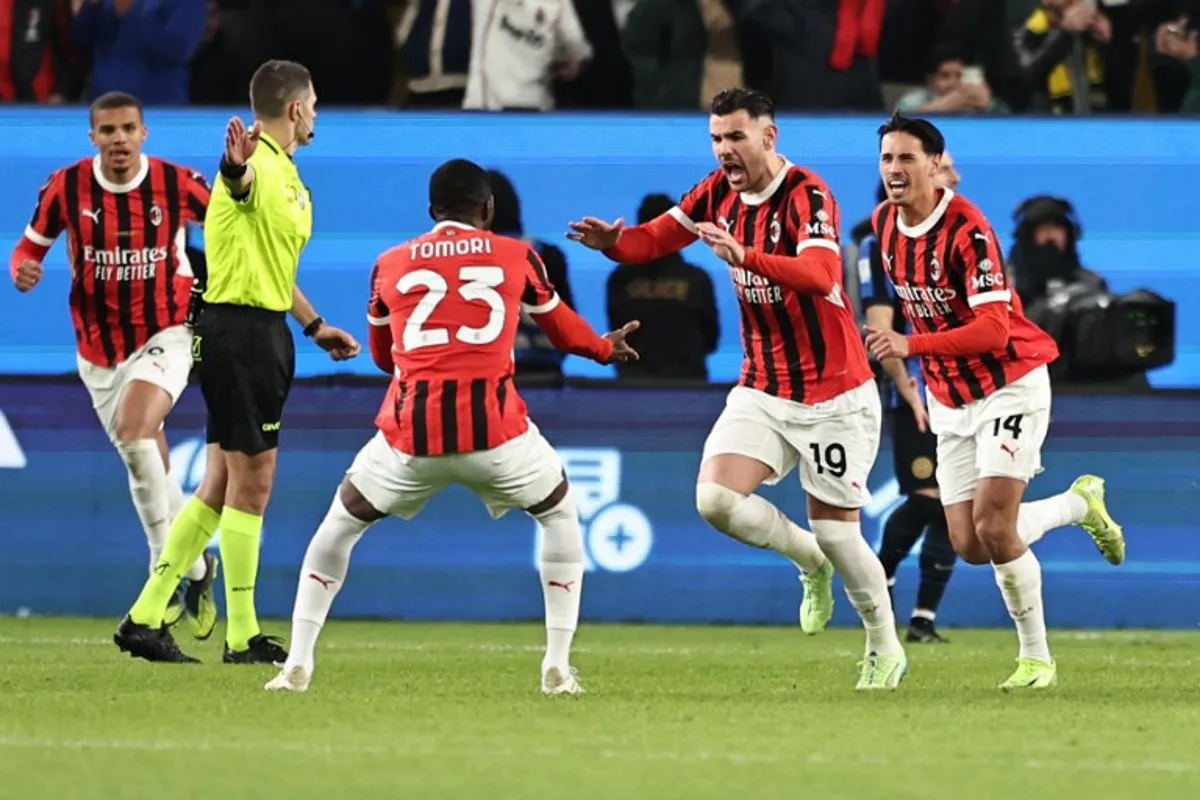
[944, 268]
[453, 299]
[797, 346]
[130, 277]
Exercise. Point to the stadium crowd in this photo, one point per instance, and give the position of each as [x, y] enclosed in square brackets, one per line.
[963, 56]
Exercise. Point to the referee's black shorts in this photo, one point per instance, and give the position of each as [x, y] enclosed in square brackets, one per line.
[914, 453]
[245, 359]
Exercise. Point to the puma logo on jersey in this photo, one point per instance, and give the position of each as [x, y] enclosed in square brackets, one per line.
[94, 216]
[981, 236]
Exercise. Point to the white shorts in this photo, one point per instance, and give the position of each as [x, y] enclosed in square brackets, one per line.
[520, 473]
[999, 436]
[165, 360]
[835, 442]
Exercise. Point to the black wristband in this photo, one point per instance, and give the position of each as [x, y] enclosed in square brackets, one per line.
[232, 171]
[313, 326]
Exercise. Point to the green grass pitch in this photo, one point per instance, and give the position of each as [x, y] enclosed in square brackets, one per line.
[453, 711]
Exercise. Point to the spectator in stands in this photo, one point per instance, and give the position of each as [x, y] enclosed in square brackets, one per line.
[434, 37]
[984, 31]
[604, 81]
[519, 49]
[37, 63]
[822, 52]
[141, 46]
[534, 355]
[220, 72]
[674, 301]
[1178, 40]
[911, 32]
[682, 53]
[951, 87]
[1061, 48]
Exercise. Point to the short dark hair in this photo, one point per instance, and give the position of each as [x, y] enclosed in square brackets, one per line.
[459, 188]
[276, 84]
[755, 103]
[943, 52]
[654, 206]
[932, 141]
[111, 100]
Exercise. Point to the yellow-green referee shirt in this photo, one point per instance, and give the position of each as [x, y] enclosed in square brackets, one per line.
[253, 245]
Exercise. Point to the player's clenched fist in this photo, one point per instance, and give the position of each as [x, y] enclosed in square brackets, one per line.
[622, 352]
[596, 233]
[240, 143]
[28, 275]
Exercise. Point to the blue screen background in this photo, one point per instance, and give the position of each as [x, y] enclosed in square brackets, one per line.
[73, 544]
[1128, 178]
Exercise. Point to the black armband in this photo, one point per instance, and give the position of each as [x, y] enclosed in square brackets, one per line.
[313, 326]
[232, 171]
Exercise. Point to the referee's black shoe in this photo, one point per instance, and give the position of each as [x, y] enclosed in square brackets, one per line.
[922, 631]
[263, 649]
[142, 641]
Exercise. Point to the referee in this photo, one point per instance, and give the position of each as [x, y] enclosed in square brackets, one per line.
[259, 220]
[914, 446]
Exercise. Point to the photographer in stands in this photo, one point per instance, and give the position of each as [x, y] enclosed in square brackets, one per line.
[1103, 337]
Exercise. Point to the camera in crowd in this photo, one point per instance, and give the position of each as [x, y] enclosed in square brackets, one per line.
[1102, 336]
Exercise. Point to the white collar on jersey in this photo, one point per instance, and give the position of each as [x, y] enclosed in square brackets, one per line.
[925, 225]
[121, 188]
[758, 198]
[449, 223]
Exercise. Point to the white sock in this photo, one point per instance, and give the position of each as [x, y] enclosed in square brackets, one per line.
[321, 575]
[149, 487]
[864, 579]
[1035, 519]
[560, 564]
[1020, 582]
[175, 501]
[758, 523]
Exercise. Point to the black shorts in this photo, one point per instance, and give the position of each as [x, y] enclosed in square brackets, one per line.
[245, 359]
[914, 453]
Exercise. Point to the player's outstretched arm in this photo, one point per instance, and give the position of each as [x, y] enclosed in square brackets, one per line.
[652, 240]
[571, 333]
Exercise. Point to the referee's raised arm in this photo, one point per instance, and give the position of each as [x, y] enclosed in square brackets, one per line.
[258, 222]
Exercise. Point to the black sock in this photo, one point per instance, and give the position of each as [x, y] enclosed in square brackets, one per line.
[903, 528]
[937, 565]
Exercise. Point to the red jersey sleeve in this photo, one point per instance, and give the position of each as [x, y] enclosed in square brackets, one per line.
[49, 216]
[982, 263]
[538, 296]
[697, 203]
[813, 217]
[380, 321]
[195, 193]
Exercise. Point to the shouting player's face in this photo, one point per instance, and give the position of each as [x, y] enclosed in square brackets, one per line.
[908, 173]
[744, 147]
[118, 134]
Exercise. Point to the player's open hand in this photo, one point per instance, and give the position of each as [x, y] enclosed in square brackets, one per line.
[727, 248]
[241, 143]
[622, 352]
[596, 233]
[28, 275]
[886, 343]
[335, 341]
